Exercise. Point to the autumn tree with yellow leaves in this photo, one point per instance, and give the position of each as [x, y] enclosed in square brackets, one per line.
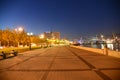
[9, 37]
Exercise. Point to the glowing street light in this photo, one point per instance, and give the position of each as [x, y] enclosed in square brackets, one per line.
[41, 36]
[19, 29]
[30, 34]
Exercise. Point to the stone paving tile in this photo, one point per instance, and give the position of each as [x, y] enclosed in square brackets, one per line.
[113, 74]
[47, 55]
[21, 57]
[33, 52]
[60, 63]
[21, 75]
[85, 52]
[29, 66]
[50, 53]
[11, 61]
[68, 64]
[67, 57]
[73, 75]
[65, 54]
[34, 63]
[102, 61]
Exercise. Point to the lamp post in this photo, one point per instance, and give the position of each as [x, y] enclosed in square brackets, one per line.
[19, 30]
[30, 34]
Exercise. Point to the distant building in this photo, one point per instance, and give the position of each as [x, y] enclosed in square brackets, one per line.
[52, 35]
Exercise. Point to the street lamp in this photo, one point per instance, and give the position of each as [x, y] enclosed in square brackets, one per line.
[30, 34]
[19, 30]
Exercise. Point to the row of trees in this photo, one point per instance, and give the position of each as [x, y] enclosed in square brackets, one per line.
[9, 37]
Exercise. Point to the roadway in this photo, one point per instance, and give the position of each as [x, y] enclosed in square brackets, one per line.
[60, 63]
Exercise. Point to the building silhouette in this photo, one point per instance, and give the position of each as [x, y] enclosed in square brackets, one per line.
[52, 35]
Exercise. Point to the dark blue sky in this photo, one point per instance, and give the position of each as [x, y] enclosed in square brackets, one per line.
[72, 18]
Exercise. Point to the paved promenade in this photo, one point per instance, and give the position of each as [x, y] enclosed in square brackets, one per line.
[60, 63]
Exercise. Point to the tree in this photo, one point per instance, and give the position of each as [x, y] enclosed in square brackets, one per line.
[7, 36]
[0, 37]
[23, 38]
[20, 37]
[35, 39]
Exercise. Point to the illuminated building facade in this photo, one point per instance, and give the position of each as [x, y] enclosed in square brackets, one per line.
[52, 35]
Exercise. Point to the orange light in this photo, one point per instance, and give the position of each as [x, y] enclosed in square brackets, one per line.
[42, 36]
[20, 29]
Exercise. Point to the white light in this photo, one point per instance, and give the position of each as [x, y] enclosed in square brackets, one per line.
[29, 34]
[102, 36]
[20, 29]
[42, 36]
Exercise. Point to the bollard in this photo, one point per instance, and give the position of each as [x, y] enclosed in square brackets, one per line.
[106, 49]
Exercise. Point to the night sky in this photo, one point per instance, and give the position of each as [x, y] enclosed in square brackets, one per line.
[73, 18]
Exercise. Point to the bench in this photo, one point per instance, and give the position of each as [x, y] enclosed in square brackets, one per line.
[4, 55]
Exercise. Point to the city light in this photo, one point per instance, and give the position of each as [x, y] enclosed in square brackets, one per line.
[19, 29]
[102, 36]
[29, 34]
[41, 36]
